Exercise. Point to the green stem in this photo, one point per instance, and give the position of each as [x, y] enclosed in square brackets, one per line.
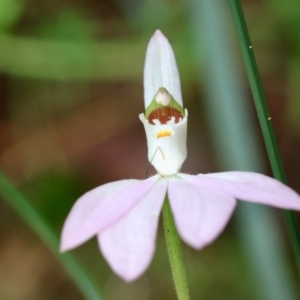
[31, 216]
[174, 248]
[264, 116]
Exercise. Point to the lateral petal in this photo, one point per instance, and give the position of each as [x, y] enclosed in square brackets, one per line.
[160, 69]
[100, 208]
[129, 245]
[200, 214]
[252, 187]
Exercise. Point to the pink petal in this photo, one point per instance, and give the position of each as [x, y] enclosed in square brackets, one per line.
[251, 187]
[200, 214]
[100, 208]
[129, 244]
[160, 69]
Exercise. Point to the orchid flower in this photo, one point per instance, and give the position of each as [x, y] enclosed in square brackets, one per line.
[124, 214]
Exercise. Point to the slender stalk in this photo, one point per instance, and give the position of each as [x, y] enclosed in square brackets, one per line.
[264, 116]
[174, 248]
[31, 216]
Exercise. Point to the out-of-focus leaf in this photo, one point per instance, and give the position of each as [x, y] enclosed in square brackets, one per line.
[42, 228]
[10, 12]
[69, 25]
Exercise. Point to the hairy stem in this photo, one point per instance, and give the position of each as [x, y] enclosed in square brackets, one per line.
[175, 253]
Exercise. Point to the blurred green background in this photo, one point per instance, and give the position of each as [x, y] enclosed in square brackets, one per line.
[71, 89]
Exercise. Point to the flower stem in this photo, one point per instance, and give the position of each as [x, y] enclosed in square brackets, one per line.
[175, 253]
[264, 116]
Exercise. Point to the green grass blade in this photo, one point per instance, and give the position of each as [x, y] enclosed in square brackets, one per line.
[264, 116]
[31, 216]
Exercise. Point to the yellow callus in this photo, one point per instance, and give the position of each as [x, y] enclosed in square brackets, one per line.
[164, 133]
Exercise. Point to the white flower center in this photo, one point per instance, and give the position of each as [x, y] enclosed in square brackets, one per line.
[166, 144]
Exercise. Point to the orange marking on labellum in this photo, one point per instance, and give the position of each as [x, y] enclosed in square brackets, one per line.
[164, 133]
[164, 115]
